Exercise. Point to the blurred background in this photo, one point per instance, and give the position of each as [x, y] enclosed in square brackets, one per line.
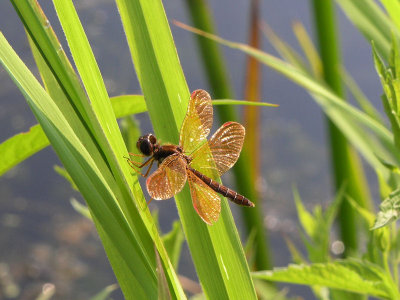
[44, 241]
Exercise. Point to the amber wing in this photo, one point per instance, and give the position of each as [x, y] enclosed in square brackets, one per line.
[198, 121]
[222, 150]
[206, 202]
[168, 179]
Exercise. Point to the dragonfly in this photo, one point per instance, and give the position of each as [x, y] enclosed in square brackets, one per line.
[194, 157]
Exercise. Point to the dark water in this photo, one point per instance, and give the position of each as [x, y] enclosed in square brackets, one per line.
[45, 242]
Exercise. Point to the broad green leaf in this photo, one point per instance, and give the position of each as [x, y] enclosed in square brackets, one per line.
[348, 275]
[21, 146]
[216, 250]
[389, 210]
[393, 9]
[126, 105]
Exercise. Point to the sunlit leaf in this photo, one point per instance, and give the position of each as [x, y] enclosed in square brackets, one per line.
[350, 275]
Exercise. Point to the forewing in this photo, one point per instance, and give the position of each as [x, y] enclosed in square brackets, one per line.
[198, 121]
[222, 150]
[206, 202]
[168, 179]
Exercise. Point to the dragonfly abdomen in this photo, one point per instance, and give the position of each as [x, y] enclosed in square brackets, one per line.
[223, 190]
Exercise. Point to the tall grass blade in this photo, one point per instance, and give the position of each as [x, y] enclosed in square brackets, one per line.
[89, 171]
[114, 147]
[218, 78]
[216, 250]
[346, 166]
[98, 125]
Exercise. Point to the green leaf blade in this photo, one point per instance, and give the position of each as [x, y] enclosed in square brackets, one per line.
[216, 250]
[83, 169]
[353, 276]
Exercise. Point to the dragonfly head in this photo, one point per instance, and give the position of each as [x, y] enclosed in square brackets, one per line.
[146, 144]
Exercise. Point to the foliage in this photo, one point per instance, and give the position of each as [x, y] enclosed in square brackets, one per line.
[77, 117]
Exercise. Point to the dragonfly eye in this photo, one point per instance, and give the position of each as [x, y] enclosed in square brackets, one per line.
[152, 139]
[146, 143]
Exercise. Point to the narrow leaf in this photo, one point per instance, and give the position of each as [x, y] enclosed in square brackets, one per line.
[105, 293]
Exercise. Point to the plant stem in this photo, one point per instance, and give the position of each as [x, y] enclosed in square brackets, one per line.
[346, 165]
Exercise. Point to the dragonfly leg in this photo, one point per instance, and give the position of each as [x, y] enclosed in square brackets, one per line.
[135, 165]
[136, 154]
[148, 170]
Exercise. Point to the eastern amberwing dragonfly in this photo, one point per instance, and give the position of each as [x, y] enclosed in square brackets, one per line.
[193, 157]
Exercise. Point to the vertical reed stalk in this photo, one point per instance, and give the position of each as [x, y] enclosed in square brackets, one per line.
[346, 166]
[252, 93]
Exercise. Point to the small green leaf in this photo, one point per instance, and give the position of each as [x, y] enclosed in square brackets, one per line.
[307, 220]
[379, 64]
[389, 210]
[80, 208]
[62, 172]
[297, 257]
[105, 293]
